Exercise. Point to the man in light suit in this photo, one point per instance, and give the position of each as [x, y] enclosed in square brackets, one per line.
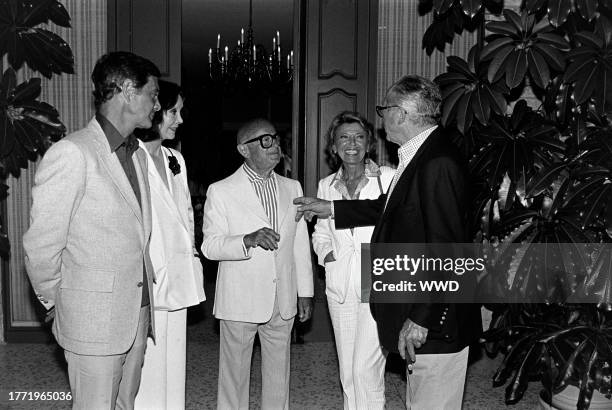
[265, 270]
[87, 245]
[427, 202]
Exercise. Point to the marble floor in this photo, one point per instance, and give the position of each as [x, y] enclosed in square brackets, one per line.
[314, 375]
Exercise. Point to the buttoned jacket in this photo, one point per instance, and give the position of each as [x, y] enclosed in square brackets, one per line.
[247, 283]
[87, 242]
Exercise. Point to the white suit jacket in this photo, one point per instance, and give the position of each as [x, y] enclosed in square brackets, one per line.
[246, 284]
[344, 274]
[86, 243]
[178, 271]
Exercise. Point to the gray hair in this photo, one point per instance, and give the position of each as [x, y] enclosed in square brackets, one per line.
[422, 95]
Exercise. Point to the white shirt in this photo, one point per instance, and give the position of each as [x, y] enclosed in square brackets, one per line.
[405, 153]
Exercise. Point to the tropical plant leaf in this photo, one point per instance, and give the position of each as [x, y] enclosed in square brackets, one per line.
[27, 126]
[554, 40]
[471, 7]
[41, 49]
[464, 114]
[442, 6]
[587, 8]
[538, 69]
[497, 68]
[588, 39]
[502, 27]
[534, 6]
[544, 178]
[516, 68]
[490, 50]
[558, 11]
[551, 54]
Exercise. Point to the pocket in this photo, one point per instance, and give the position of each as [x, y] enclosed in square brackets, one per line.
[85, 304]
[86, 279]
[331, 278]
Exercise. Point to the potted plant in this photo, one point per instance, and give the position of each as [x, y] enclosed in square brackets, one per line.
[28, 126]
[542, 172]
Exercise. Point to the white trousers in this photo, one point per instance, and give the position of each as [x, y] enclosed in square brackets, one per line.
[108, 382]
[235, 353]
[162, 384]
[361, 360]
[437, 381]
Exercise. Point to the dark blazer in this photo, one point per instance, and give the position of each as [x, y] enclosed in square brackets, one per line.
[428, 205]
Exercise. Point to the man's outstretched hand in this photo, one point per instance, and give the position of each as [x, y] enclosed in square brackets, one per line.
[310, 207]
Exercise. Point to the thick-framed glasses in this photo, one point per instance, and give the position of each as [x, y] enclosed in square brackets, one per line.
[380, 109]
[265, 140]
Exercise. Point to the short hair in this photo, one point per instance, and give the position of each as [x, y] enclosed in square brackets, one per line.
[347, 117]
[169, 94]
[249, 128]
[422, 94]
[112, 69]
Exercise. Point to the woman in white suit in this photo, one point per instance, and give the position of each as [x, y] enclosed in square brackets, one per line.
[362, 362]
[178, 271]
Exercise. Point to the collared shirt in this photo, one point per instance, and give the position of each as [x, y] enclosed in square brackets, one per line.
[124, 148]
[267, 192]
[371, 171]
[405, 153]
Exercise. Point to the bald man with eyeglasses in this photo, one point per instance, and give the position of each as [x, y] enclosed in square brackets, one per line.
[265, 271]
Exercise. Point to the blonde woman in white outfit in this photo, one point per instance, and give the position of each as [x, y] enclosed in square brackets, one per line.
[362, 362]
[178, 271]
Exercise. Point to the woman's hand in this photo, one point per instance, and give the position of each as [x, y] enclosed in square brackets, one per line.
[329, 257]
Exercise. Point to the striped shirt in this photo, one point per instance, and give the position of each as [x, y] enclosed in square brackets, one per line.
[267, 192]
[405, 153]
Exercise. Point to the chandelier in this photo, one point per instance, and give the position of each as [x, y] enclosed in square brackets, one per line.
[249, 64]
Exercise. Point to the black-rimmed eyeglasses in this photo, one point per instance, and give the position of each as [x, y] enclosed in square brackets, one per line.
[380, 109]
[265, 140]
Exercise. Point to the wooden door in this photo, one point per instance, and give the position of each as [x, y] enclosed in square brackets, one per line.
[339, 72]
[150, 28]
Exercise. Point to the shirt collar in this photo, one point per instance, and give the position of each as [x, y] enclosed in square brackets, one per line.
[372, 170]
[407, 151]
[254, 176]
[114, 137]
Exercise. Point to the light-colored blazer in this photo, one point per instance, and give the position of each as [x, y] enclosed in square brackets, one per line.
[344, 274]
[178, 271]
[246, 283]
[87, 241]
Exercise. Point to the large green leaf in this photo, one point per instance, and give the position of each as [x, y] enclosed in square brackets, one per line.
[587, 8]
[471, 7]
[558, 11]
[538, 69]
[27, 126]
[516, 68]
[41, 49]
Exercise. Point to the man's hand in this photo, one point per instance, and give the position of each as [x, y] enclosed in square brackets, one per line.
[264, 237]
[304, 308]
[329, 257]
[411, 337]
[311, 207]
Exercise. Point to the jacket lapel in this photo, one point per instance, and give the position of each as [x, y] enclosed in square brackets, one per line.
[284, 200]
[112, 165]
[168, 197]
[402, 185]
[248, 197]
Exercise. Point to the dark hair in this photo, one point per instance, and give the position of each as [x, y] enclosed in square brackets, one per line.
[112, 69]
[422, 94]
[168, 96]
[347, 117]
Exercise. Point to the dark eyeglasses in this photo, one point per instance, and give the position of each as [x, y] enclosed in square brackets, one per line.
[380, 109]
[265, 140]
